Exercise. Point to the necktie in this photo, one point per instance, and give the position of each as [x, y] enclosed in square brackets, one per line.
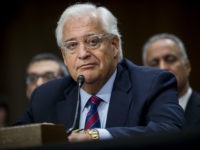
[92, 118]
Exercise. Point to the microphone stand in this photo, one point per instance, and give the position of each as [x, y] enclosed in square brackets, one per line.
[80, 81]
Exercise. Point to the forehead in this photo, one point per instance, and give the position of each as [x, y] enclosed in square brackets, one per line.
[43, 66]
[163, 47]
[80, 26]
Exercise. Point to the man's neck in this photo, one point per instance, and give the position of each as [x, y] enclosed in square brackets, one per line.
[183, 91]
[94, 88]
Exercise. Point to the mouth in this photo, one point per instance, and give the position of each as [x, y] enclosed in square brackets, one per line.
[87, 66]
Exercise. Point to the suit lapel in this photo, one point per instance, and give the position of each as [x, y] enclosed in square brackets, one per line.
[66, 108]
[192, 111]
[120, 100]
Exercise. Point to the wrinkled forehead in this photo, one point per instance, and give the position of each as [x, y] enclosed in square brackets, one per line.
[78, 26]
[43, 66]
[163, 47]
[160, 43]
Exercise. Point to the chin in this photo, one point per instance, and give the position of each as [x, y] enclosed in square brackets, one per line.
[90, 79]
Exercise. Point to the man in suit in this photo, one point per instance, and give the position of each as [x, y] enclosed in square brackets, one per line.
[132, 99]
[167, 51]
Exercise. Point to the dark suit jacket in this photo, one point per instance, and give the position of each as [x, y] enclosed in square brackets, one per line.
[142, 100]
[192, 111]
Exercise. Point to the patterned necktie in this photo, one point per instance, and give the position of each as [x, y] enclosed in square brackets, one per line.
[92, 119]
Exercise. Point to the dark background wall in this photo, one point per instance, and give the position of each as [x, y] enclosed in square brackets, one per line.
[27, 28]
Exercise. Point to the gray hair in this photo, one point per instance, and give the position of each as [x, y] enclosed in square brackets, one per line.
[172, 37]
[52, 57]
[108, 20]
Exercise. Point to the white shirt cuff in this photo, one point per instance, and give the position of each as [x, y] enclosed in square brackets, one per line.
[104, 134]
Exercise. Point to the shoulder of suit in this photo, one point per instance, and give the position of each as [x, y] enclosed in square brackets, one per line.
[195, 95]
[136, 69]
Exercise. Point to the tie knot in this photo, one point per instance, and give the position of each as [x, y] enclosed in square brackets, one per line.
[94, 100]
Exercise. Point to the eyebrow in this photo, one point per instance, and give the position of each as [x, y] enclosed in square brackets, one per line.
[73, 39]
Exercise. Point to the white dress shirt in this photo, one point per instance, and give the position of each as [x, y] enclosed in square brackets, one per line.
[104, 93]
[185, 98]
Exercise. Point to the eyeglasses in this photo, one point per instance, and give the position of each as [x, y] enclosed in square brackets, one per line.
[33, 78]
[90, 41]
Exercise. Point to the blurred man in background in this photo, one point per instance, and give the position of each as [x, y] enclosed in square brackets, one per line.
[167, 51]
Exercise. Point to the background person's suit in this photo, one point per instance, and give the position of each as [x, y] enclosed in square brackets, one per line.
[192, 111]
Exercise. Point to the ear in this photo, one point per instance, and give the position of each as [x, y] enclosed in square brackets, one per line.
[63, 56]
[188, 67]
[115, 45]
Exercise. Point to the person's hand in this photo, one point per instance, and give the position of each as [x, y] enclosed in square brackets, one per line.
[79, 137]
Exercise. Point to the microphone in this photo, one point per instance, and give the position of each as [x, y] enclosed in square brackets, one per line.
[80, 81]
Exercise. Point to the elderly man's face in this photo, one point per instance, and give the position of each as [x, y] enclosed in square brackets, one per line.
[95, 58]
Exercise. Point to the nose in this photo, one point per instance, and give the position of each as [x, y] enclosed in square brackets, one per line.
[83, 52]
[163, 65]
[40, 81]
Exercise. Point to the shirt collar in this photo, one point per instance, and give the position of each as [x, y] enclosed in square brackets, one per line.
[185, 98]
[104, 93]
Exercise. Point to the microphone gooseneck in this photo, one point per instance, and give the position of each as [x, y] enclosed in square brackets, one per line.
[80, 81]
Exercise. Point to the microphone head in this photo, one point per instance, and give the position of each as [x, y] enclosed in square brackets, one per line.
[80, 80]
